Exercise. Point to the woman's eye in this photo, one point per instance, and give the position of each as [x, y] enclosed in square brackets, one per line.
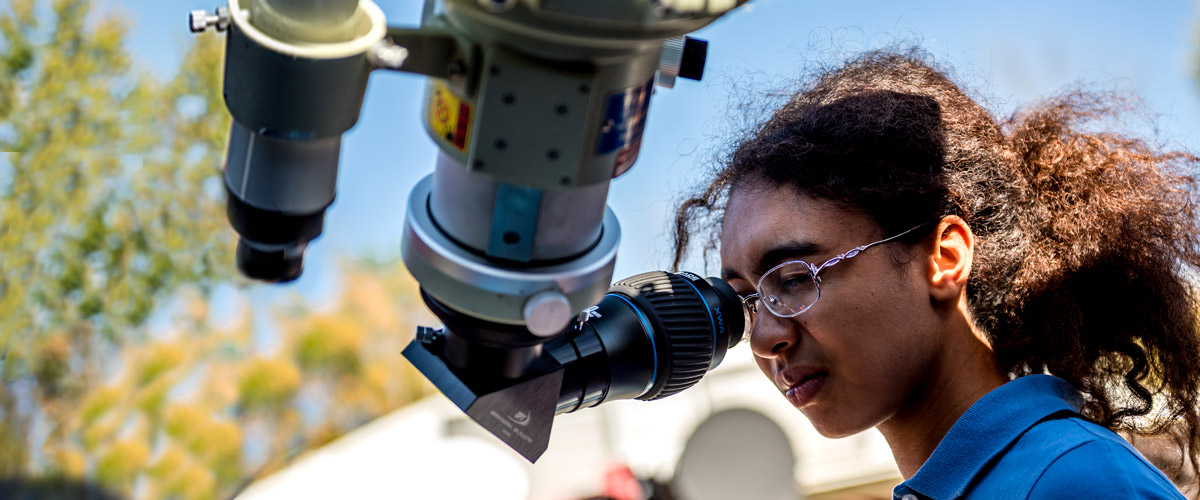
[795, 281]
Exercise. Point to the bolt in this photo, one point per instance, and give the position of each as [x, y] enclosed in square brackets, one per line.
[388, 55]
[427, 335]
[200, 21]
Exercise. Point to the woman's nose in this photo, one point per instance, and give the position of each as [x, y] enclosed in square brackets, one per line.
[772, 336]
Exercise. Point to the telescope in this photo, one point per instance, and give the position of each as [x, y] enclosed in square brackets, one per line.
[535, 105]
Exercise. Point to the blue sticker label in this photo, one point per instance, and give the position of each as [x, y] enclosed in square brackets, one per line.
[624, 121]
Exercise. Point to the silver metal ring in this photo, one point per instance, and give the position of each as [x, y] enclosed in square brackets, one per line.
[476, 286]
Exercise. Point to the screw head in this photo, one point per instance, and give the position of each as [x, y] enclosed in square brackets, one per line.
[390, 55]
[198, 21]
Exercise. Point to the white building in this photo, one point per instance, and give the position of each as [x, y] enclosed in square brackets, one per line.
[731, 436]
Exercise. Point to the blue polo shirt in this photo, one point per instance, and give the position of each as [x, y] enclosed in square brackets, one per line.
[1025, 440]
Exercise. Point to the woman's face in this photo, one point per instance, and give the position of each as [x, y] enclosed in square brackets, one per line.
[855, 358]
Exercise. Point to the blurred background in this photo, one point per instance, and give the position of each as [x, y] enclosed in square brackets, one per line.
[135, 362]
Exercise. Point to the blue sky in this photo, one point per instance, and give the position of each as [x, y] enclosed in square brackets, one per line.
[1011, 53]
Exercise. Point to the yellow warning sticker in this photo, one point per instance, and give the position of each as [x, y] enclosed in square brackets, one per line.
[449, 116]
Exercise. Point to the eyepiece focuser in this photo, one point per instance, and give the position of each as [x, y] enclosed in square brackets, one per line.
[651, 336]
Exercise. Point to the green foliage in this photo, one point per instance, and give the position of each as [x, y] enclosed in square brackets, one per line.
[90, 239]
[160, 359]
[240, 402]
[98, 403]
[122, 462]
[110, 212]
[329, 347]
[267, 384]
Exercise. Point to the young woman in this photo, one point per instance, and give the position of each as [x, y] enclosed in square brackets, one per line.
[996, 297]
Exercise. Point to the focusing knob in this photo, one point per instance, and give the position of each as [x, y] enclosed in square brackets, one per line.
[676, 309]
[682, 57]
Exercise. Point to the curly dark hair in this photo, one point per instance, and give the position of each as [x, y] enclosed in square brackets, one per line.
[1087, 242]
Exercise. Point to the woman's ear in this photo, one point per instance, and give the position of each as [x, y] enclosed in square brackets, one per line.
[950, 258]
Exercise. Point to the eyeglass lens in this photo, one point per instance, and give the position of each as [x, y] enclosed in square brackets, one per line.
[789, 290]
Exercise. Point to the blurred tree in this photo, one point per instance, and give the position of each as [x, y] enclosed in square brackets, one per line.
[111, 213]
[202, 410]
[91, 242]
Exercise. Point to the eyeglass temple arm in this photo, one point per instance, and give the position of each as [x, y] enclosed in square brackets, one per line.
[859, 249]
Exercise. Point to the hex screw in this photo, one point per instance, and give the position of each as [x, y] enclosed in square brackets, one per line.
[388, 55]
[200, 21]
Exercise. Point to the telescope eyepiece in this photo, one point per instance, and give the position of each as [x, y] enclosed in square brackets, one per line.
[652, 336]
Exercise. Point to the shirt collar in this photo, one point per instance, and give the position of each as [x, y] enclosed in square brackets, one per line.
[986, 429]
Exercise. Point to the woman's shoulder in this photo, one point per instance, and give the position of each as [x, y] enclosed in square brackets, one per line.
[1084, 460]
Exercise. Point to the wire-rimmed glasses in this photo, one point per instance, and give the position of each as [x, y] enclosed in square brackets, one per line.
[793, 287]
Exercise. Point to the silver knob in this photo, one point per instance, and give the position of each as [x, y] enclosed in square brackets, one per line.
[682, 57]
[547, 313]
[668, 62]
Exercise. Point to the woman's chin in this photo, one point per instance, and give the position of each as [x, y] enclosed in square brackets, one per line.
[833, 425]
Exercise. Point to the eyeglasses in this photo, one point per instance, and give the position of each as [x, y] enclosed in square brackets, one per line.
[791, 288]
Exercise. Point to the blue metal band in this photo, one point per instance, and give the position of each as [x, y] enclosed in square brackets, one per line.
[514, 222]
[649, 333]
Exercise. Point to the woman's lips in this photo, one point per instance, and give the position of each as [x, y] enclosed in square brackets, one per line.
[803, 392]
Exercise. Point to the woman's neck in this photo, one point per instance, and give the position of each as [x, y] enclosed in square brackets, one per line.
[965, 371]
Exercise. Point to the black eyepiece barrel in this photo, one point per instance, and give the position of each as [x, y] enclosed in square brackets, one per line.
[270, 263]
[652, 335]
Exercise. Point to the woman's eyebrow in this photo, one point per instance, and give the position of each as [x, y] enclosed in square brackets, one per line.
[786, 251]
[777, 254]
